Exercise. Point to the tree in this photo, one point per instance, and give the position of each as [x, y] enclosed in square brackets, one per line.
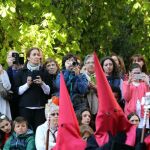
[77, 26]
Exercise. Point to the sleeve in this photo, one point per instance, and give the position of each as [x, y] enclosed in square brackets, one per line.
[45, 88]
[40, 139]
[126, 91]
[82, 84]
[7, 144]
[31, 143]
[67, 79]
[5, 80]
[22, 89]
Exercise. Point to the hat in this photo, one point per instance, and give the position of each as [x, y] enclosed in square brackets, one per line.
[52, 105]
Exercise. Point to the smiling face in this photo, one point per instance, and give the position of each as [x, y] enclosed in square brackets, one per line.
[86, 118]
[5, 126]
[34, 57]
[108, 67]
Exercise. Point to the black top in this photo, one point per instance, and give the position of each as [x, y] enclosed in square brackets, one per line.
[34, 96]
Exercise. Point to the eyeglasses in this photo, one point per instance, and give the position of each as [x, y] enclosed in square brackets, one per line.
[55, 114]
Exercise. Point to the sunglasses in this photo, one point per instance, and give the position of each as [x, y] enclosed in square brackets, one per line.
[55, 114]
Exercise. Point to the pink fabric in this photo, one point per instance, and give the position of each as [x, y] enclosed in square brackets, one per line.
[147, 141]
[110, 117]
[131, 136]
[131, 94]
[68, 137]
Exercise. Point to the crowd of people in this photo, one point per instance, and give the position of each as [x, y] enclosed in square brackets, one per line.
[29, 95]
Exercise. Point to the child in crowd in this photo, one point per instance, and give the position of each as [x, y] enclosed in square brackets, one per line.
[47, 132]
[22, 138]
[5, 129]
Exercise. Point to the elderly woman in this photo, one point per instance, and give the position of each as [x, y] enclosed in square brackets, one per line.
[49, 128]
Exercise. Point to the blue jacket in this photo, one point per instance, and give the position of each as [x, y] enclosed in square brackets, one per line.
[76, 84]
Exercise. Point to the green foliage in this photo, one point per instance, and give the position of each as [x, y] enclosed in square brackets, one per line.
[77, 26]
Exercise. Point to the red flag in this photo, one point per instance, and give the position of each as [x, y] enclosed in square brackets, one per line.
[68, 137]
[110, 117]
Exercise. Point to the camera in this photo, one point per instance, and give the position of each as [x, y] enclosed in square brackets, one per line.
[138, 76]
[74, 63]
[19, 58]
[34, 74]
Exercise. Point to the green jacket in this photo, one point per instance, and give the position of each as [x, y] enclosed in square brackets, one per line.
[21, 142]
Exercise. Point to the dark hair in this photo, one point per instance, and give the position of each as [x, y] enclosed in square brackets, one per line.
[20, 119]
[139, 57]
[79, 114]
[66, 57]
[49, 60]
[131, 115]
[115, 72]
[133, 66]
[121, 63]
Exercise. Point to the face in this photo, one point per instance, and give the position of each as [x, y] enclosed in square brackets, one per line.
[140, 62]
[10, 59]
[134, 120]
[34, 57]
[68, 63]
[116, 60]
[5, 126]
[108, 67]
[54, 119]
[90, 65]
[51, 67]
[86, 118]
[20, 128]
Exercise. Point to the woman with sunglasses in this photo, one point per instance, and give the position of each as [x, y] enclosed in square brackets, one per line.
[5, 129]
[46, 133]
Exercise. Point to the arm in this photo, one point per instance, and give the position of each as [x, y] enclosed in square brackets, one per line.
[126, 91]
[31, 143]
[40, 140]
[82, 84]
[5, 80]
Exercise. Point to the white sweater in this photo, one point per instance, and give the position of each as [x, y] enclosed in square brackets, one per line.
[40, 137]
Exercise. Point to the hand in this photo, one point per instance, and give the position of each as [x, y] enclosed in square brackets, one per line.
[92, 85]
[131, 78]
[76, 70]
[38, 80]
[145, 78]
[29, 80]
[1, 69]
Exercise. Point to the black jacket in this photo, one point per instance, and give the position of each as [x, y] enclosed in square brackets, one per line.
[34, 96]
